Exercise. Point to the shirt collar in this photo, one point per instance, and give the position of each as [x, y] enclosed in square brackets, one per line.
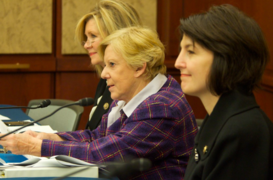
[153, 87]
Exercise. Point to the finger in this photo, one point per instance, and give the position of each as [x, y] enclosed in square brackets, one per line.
[31, 133]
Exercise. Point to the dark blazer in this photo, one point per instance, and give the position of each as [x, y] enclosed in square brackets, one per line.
[102, 107]
[235, 142]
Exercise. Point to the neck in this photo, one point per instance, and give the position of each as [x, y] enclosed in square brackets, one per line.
[137, 87]
[209, 101]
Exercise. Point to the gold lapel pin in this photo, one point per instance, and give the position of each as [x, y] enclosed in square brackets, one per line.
[205, 150]
[106, 106]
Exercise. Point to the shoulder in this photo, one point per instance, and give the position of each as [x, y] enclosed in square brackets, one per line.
[248, 126]
[169, 98]
[170, 94]
[171, 85]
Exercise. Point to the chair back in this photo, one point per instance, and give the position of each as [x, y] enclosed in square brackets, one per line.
[66, 119]
[199, 122]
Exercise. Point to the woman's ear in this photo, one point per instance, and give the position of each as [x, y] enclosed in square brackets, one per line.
[140, 70]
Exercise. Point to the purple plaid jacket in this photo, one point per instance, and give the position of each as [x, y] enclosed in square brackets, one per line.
[162, 128]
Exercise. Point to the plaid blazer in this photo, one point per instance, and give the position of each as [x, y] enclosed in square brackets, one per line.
[162, 128]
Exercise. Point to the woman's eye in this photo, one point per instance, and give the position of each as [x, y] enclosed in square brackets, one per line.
[190, 52]
[112, 64]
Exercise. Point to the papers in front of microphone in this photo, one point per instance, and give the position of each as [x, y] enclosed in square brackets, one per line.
[4, 117]
[54, 166]
[43, 128]
[54, 161]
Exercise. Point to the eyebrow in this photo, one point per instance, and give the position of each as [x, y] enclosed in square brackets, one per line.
[109, 59]
[187, 46]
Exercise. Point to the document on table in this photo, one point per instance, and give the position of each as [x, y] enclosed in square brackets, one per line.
[4, 117]
[55, 166]
[54, 161]
[43, 128]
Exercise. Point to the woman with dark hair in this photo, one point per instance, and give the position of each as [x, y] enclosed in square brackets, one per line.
[222, 59]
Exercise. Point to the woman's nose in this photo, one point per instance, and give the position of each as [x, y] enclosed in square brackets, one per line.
[179, 63]
[103, 73]
[87, 44]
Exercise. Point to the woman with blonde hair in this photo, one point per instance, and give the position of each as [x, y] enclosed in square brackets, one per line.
[149, 117]
[107, 17]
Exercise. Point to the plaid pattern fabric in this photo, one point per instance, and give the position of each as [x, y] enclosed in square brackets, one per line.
[162, 128]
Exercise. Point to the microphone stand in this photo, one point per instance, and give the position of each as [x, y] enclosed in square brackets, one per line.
[44, 103]
[38, 120]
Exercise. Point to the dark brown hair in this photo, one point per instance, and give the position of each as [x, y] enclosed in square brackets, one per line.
[238, 44]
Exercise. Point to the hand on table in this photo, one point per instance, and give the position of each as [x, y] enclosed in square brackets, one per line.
[42, 135]
[22, 144]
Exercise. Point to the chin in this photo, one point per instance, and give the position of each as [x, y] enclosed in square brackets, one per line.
[186, 91]
[94, 63]
[114, 97]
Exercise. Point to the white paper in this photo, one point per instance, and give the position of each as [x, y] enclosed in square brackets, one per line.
[43, 128]
[54, 161]
[3, 128]
[37, 128]
[4, 117]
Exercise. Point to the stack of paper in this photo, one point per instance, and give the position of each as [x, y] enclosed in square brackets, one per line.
[55, 166]
[45, 128]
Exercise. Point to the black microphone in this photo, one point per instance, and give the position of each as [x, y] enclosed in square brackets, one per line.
[85, 102]
[125, 170]
[43, 104]
[122, 170]
[81, 102]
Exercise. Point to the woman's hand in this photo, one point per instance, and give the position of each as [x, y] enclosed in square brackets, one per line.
[42, 135]
[22, 144]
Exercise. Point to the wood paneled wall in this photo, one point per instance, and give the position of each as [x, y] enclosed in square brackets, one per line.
[56, 75]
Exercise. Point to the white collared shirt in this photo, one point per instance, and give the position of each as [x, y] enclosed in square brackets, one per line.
[153, 87]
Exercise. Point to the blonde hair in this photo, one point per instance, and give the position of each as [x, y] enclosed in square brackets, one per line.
[109, 15]
[137, 45]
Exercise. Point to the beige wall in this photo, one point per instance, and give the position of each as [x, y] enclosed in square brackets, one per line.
[25, 26]
[73, 10]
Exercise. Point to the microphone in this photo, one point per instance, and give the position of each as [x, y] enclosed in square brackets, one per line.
[126, 170]
[43, 104]
[81, 102]
[85, 102]
[122, 170]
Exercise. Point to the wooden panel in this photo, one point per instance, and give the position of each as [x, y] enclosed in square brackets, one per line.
[19, 88]
[168, 19]
[168, 16]
[265, 100]
[25, 26]
[75, 86]
[36, 63]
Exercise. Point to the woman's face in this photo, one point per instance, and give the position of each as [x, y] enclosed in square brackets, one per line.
[92, 42]
[122, 80]
[194, 63]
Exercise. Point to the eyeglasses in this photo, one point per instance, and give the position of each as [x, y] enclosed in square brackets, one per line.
[89, 41]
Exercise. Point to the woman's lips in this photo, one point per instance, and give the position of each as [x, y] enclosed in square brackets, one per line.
[185, 75]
